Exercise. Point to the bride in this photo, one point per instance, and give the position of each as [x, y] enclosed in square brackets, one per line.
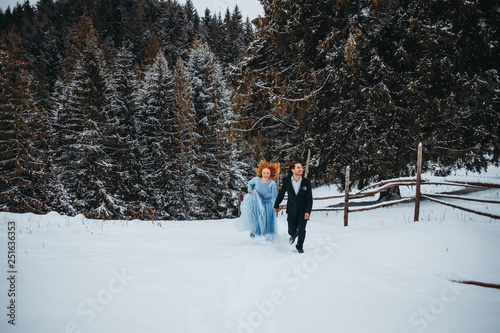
[257, 213]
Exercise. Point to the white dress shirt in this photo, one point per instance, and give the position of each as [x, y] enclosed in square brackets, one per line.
[296, 185]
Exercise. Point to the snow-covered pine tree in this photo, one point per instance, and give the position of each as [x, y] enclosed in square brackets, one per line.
[86, 171]
[23, 134]
[248, 34]
[45, 76]
[160, 136]
[122, 132]
[176, 27]
[183, 198]
[211, 113]
[190, 27]
[152, 49]
[279, 76]
[449, 52]
[214, 33]
[134, 30]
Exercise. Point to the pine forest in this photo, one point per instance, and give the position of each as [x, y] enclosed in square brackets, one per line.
[147, 109]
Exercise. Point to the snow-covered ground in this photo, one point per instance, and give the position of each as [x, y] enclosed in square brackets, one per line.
[382, 273]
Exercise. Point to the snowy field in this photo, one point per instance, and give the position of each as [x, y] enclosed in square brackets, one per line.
[383, 273]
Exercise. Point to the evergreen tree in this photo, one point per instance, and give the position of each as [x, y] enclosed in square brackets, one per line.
[85, 169]
[393, 95]
[211, 115]
[23, 134]
[192, 23]
[161, 137]
[248, 34]
[184, 195]
[152, 49]
[176, 29]
[215, 35]
[233, 36]
[279, 76]
[135, 31]
[122, 133]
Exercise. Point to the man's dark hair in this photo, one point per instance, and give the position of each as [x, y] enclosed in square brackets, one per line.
[291, 167]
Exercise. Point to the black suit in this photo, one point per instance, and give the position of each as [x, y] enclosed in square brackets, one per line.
[297, 206]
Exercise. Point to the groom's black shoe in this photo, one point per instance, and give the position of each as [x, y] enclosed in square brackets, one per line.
[292, 239]
[299, 249]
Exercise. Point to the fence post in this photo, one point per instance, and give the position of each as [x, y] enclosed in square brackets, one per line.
[307, 163]
[346, 199]
[417, 191]
[278, 180]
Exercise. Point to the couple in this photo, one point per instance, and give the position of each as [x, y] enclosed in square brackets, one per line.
[257, 213]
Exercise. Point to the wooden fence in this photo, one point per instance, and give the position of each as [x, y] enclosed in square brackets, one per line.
[385, 185]
[375, 189]
[418, 183]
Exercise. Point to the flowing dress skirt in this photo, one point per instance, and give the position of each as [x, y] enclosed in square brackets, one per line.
[257, 216]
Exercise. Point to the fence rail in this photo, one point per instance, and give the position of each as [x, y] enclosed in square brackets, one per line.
[375, 189]
[364, 208]
[432, 197]
[463, 208]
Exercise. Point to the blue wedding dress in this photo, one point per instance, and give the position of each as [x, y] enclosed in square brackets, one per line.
[257, 213]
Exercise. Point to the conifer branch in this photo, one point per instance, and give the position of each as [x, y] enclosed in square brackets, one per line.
[302, 99]
[269, 116]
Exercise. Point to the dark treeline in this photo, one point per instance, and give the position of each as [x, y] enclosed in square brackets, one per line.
[144, 109]
[120, 109]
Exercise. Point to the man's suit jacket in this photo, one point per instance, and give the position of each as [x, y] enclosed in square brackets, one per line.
[299, 203]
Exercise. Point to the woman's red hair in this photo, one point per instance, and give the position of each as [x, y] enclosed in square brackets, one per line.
[273, 167]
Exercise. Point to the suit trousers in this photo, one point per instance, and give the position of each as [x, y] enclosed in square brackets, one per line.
[297, 228]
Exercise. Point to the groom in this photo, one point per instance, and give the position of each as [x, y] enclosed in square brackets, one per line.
[299, 203]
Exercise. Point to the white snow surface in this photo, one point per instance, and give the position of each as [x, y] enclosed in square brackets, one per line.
[383, 273]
